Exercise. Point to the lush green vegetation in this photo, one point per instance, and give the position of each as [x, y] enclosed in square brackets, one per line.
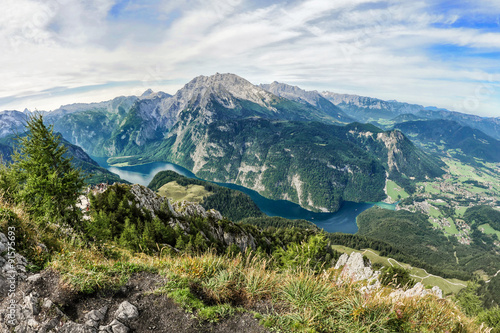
[233, 204]
[451, 135]
[278, 222]
[472, 299]
[483, 214]
[396, 276]
[413, 235]
[490, 292]
[94, 174]
[44, 179]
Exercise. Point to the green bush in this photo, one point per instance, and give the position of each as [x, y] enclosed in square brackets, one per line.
[396, 276]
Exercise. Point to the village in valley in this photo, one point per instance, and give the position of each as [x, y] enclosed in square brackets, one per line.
[446, 199]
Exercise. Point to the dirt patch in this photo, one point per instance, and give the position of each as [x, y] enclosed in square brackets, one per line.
[157, 313]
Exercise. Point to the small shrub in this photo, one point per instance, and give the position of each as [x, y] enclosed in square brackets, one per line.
[396, 276]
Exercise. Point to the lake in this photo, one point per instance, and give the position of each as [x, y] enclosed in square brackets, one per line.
[343, 220]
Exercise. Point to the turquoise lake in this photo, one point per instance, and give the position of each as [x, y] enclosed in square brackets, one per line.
[342, 221]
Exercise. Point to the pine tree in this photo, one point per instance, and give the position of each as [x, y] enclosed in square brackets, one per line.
[48, 182]
[129, 237]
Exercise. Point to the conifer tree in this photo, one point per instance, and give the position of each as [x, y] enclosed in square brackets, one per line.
[48, 183]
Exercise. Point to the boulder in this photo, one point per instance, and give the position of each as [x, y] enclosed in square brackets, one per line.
[126, 312]
[418, 290]
[354, 267]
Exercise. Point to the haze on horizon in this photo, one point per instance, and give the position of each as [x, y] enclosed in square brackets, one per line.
[435, 53]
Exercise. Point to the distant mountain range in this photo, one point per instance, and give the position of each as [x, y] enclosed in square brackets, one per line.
[450, 134]
[280, 140]
[80, 159]
[368, 109]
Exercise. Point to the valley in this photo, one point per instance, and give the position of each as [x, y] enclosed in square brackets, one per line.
[342, 221]
[264, 162]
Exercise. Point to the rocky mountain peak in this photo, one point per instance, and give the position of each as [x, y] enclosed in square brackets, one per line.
[226, 89]
[293, 93]
[147, 93]
[234, 84]
[302, 96]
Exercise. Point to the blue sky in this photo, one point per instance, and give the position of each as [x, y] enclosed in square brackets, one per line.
[439, 53]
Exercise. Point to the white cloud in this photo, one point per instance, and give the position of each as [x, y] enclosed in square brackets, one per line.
[379, 48]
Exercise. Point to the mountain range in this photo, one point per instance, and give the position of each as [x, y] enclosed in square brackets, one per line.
[280, 140]
[449, 134]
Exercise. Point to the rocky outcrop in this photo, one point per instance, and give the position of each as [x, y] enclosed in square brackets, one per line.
[34, 314]
[152, 202]
[355, 269]
[186, 208]
[12, 267]
[418, 290]
[181, 214]
[225, 231]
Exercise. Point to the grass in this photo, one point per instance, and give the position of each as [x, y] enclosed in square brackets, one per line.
[487, 229]
[438, 203]
[429, 188]
[452, 229]
[460, 211]
[213, 287]
[395, 192]
[88, 270]
[304, 301]
[434, 212]
[176, 192]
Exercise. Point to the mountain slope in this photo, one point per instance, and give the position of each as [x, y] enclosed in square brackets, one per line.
[310, 163]
[80, 160]
[313, 98]
[11, 122]
[452, 135]
[489, 126]
[367, 109]
[126, 126]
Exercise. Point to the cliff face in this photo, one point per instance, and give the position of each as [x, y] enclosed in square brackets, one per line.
[180, 216]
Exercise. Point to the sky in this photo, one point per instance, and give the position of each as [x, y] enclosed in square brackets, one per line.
[435, 53]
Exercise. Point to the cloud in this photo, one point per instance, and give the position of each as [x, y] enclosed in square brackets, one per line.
[428, 52]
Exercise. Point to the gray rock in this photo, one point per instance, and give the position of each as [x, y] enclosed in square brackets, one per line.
[34, 278]
[105, 329]
[437, 291]
[149, 200]
[342, 260]
[3, 243]
[97, 315]
[354, 268]
[118, 327]
[47, 303]
[31, 304]
[32, 323]
[418, 290]
[49, 325]
[92, 323]
[72, 327]
[126, 312]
